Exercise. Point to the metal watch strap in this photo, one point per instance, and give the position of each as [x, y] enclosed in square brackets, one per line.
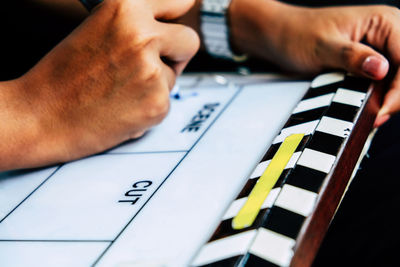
[90, 4]
[215, 31]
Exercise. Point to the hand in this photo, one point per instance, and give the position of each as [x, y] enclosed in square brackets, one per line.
[363, 40]
[107, 82]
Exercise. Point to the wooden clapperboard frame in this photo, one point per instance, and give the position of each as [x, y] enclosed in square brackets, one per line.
[335, 116]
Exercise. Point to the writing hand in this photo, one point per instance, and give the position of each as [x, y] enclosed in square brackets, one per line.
[107, 82]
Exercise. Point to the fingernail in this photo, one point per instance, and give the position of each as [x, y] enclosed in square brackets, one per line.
[380, 120]
[375, 67]
[383, 111]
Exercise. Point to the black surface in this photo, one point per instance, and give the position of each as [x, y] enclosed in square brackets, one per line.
[342, 111]
[254, 261]
[284, 222]
[326, 143]
[28, 32]
[365, 230]
[306, 116]
[233, 261]
[306, 178]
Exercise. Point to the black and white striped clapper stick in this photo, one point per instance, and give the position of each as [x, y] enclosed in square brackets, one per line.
[262, 224]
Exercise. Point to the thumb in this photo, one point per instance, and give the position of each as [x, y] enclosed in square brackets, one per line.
[357, 58]
[391, 102]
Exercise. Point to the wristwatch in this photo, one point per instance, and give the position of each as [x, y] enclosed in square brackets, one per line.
[215, 30]
[90, 4]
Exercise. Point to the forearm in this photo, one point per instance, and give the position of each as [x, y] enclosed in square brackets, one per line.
[21, 142]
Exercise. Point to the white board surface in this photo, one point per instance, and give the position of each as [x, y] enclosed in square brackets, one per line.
[152, 201]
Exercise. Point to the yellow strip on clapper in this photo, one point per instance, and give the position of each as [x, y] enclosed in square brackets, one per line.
[268, 179]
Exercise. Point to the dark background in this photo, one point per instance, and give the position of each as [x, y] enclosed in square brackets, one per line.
[365, 231]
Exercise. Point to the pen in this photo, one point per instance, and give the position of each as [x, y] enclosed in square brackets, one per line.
[175, 92]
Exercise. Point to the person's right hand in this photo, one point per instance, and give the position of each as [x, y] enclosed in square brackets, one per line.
[107, 82]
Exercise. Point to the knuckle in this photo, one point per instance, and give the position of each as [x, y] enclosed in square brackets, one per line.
[189, 3]
[193, 40]
[157, 107]
[320, 44]
[148, 69]
[117, 7]
[151, 71]
[382, 16]
[376, 19]
[346, 54]
[142, 39]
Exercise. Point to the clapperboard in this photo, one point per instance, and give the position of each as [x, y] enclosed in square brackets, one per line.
[199, 189]
[320, 127]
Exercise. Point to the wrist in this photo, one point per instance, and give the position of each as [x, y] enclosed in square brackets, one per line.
[19, 131]
[255, 22]
[29, 135]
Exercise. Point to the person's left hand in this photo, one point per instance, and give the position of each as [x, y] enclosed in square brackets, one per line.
[364, 40]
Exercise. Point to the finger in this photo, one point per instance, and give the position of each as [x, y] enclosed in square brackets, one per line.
[137, 134]
[158, 71]
[170, 9]
[170, 76]
[178, 44]
[383, 33]
[393, 46]
[167, 73]
[391, 102]
[356, 58]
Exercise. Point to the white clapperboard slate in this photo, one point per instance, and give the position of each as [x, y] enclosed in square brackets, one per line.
[157, 200]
